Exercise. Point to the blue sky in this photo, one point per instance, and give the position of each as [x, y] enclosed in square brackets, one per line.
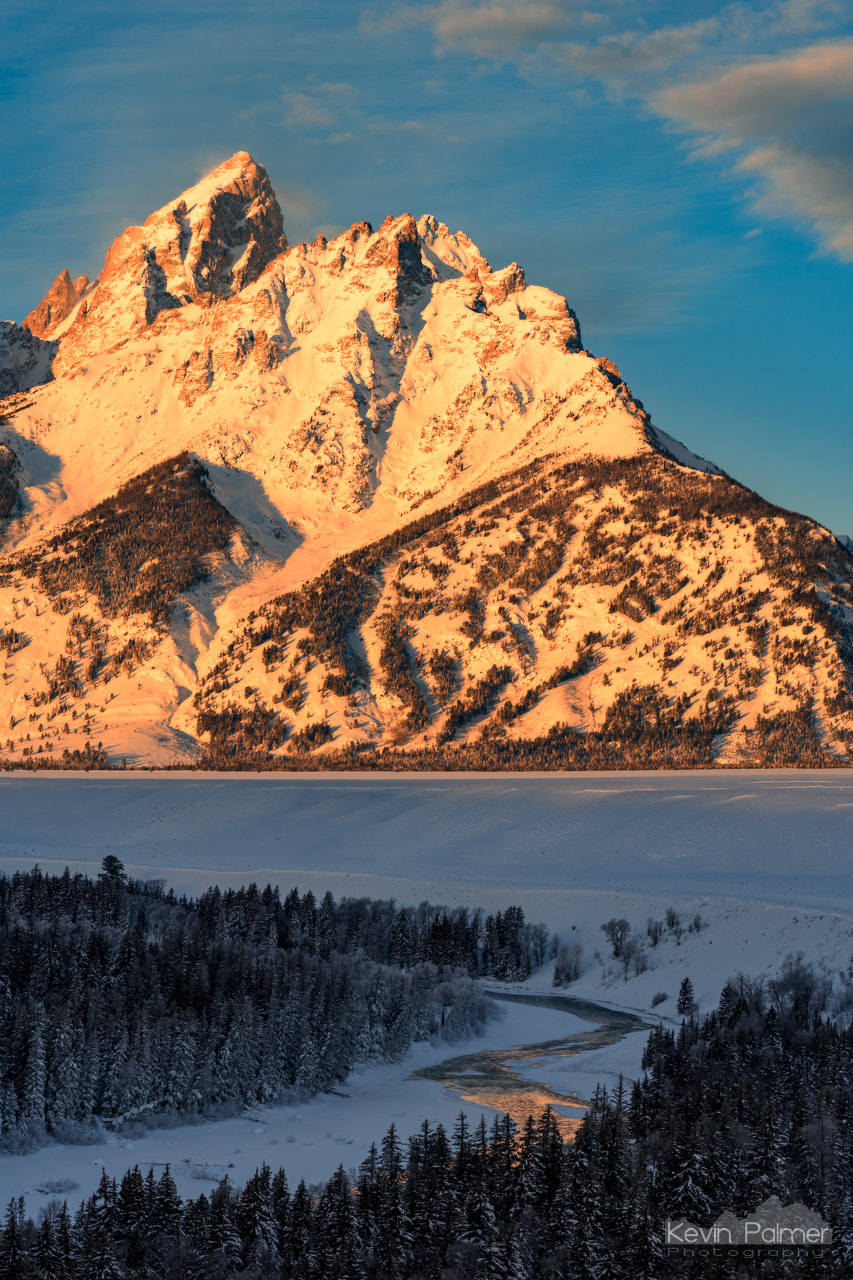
[686, 182]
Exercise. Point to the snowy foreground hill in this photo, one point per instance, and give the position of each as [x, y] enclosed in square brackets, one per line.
[760, 859]
[369, 503]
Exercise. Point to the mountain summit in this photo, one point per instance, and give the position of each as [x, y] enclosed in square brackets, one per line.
[271, 502]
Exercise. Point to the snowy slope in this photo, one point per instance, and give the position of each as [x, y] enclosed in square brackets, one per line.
[336, 392]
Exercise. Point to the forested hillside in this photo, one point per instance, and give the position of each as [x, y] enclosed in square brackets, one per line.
[119, 1001]
[599, 614]
[750, 1103]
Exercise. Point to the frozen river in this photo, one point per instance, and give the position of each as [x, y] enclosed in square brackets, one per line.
[310, 1139]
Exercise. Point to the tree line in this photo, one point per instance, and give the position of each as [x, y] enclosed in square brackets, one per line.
[750, 1102]
[120, 1001]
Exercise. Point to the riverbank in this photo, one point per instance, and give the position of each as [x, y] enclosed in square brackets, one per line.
[309, 1140]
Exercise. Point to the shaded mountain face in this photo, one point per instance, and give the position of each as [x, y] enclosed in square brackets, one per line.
[25, 359]
[280, 504]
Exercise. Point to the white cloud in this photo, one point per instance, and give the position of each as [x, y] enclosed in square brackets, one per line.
[490, 29]
[791, 119]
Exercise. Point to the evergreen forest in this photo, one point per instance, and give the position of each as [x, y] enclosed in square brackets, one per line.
[750, 1102]
[121, 1003]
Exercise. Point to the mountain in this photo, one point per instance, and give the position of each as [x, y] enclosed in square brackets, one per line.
[369, 501]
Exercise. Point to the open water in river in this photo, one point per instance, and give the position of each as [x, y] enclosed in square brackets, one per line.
[487, 1077]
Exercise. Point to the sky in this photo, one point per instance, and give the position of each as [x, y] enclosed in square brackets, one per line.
[682, 174]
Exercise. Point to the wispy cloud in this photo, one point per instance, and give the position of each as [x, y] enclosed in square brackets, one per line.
[736, 80]
[489, 30]
[320, 108]
[790, 119]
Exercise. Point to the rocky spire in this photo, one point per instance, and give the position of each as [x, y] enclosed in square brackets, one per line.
[216, 238]
[56, 305]
[209, 243]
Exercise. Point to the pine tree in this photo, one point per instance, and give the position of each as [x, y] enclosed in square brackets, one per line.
[65, 1239]
[281, 1210]
[112, 870]
[48, 1253]
[99, 1259]
[168, 1207]
[686, 1000]
[13, 1260]
[303, 1258]
[223, 1237]
[32, 1108]
[256, 1221]
[336, 1228]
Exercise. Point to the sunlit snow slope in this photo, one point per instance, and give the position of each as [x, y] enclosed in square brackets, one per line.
[269, 409]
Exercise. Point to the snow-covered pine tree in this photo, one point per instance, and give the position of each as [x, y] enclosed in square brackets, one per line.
[686, 999]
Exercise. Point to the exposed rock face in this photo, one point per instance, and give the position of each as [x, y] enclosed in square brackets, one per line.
[25, 360]
[217, 238]
[8, 481]
[56, 305]
[266, 351]
[208, 245]
[399, 249]
[222, 233]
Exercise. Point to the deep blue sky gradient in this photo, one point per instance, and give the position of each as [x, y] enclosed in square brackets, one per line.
[540, 130]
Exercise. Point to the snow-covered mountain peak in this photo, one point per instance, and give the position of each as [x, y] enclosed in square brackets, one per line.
[381, 404]
[209, 243]
[389, 364]
[218, 235]
[56, 305]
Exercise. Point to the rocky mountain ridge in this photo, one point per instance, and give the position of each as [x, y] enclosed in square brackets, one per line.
[277, 503]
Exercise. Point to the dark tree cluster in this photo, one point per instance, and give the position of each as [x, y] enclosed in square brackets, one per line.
[12, 640]
[444, 669]
[137, 551]
[312, 736]
[236, 730]
[481, 697]
[88, 757]
[8, 481]
[753, 1101]
[634, 600]
[547, 558]
[396, 667]
[655, 735]
[120, 1002]
[788, 738]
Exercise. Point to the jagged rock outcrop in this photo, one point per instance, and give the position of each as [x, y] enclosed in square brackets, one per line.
[25, 359]
[56, 305]
[8, 481]
[208, 245]
[217, 238]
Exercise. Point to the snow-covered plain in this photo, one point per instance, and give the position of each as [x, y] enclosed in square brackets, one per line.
[763, 858]
[770, 836]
